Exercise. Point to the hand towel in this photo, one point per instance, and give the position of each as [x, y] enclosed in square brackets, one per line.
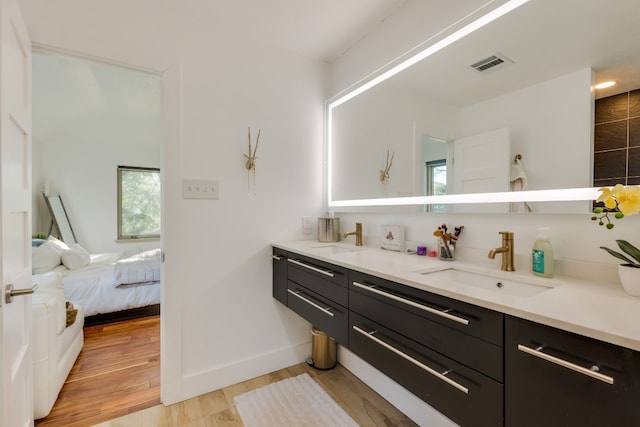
[519, 183]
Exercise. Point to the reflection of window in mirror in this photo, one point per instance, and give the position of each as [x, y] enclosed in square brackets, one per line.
[436, 182]
[138, 202]
[435, 152]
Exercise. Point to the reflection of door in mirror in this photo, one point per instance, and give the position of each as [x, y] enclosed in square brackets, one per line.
[59, 220]
[481, 165]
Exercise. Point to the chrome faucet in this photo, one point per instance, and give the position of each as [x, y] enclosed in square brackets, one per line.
[357, 233]
[506, 250]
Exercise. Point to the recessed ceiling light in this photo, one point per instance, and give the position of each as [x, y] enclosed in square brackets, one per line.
[604, 85]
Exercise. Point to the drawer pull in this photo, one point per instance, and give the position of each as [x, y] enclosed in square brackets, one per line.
[419, 364]
[317, 270]
[324, 310]
[276, 257]
[580, 369]
[440, 313]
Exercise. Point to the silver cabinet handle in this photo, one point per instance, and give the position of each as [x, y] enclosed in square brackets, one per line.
[419, 364]
[10, 292]
[561, 362]
[317, 270]
[276, 257]
[324, 310]
[413, 304]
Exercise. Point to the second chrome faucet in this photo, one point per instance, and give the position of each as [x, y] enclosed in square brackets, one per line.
[506, 250]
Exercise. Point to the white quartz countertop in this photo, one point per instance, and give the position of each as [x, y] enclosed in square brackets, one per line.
[598, 310]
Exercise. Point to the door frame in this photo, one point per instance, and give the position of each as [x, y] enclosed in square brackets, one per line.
[170, 238]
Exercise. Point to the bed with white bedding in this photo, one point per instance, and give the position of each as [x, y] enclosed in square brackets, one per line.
[109, 282]
[114, 282]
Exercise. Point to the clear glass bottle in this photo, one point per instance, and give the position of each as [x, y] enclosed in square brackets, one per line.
[542, 255]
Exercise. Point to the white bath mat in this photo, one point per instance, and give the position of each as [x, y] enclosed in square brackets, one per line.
[295, 402]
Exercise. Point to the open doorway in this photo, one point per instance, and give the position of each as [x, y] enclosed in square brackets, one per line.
[92, 121]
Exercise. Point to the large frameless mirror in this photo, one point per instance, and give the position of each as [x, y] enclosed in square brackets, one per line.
[548, 57]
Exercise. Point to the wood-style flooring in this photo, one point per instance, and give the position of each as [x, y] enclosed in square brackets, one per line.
[117, 373]
[216, 409]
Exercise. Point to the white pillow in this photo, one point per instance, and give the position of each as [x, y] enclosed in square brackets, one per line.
[45, 257]
[59, 244]
[75, 257]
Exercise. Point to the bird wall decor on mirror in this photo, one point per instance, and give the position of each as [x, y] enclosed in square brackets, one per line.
[384, 174]
[250, 164]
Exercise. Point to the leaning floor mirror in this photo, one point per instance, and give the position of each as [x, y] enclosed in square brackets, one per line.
[59, 220]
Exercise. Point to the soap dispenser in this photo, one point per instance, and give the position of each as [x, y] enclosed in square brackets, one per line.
[542, 255]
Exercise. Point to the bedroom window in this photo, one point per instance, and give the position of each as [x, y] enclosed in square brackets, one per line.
[138, 203]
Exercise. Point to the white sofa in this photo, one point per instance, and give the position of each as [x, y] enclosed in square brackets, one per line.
[55, 346]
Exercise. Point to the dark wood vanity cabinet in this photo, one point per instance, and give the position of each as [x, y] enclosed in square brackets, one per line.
[446, 352]
[476, 366]
[280, 275]
[557, 378]
[318, 292]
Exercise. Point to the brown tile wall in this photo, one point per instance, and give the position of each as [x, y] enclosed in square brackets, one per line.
[616, 158]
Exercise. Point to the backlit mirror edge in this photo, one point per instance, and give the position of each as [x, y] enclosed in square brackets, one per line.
[556, 195]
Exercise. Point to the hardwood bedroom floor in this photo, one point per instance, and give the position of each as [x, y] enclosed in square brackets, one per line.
[117, 373]
[216, 409]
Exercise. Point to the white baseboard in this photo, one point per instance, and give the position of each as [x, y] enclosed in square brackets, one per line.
[414, 408]
[232, 373]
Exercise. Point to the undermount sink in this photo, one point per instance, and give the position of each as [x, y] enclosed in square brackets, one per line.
[453, 277]
[332, 249]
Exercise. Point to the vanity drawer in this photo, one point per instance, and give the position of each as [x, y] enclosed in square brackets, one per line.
[462, 394]
[482, 323]
[323, 313]
[473, 352]
[575, 380]
[279, 257]
[323, 278]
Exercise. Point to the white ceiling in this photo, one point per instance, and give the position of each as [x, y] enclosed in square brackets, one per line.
[319, 29]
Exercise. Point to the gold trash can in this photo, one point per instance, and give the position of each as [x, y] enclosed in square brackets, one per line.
[323, 350]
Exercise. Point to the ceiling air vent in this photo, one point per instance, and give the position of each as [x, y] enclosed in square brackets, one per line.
[493, 62]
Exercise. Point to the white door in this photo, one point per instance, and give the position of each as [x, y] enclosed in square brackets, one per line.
[481, 164]
[16, 369]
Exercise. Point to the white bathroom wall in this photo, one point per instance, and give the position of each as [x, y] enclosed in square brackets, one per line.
[222, 324]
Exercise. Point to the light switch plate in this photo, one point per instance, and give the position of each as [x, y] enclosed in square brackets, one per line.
[307, 228]
[200, 189]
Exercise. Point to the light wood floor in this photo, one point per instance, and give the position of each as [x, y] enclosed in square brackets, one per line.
[117, 373]
[216, 409]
